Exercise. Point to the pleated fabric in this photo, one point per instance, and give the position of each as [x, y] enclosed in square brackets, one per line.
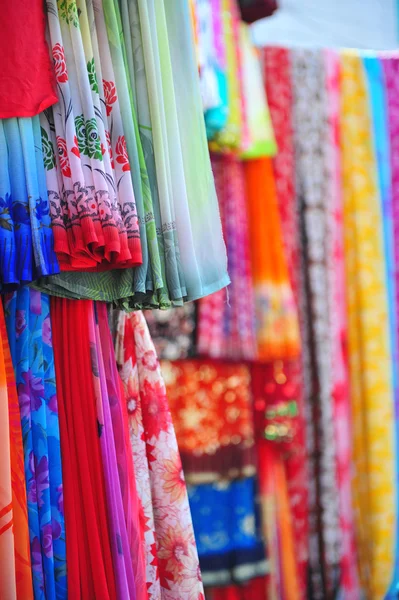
[89, 556]
[29, 332]
[371, 377]
[160, 481]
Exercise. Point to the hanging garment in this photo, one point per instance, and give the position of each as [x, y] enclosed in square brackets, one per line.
[211, 408]
[279, 89]
[172, 567]
[226, 324]
[29, 332]
[313, 202]
[206, 53]
[369, 353]
[230, 137]
[339, 333]
[89, 183]
[26, 238]
[261, 140]
[27, 84]
[23, 573]
[89, 557]
[276, 318]
[275, 388]
[16, 574]
[227, 530]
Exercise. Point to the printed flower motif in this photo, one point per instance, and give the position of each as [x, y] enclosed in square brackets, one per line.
[36, 555]
[20, 322]
[108, 137]
[63, 156]
[173, 478]
[150, 360]
[156, 414]
[40, 480]
[121, 151]
[109, 95]
[173, 546]
[41, 208]
[46, 331]
[75, 149]
[191, 580]
[61, 72]
[20, 213]
[68, 11]
[35, 302]
[48, 151]
[91, 71]
[33, 388]
[50, 531]
[87, 137]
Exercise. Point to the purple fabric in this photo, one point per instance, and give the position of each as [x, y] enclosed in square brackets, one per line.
[253, 10]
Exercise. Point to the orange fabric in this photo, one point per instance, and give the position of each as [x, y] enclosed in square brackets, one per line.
[277, 320]
[23, 573]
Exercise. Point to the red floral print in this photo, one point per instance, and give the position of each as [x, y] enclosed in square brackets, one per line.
[61, 72]
[121, 151]
[75, 149]
[109, 95]
[63, 156]
[111, 156]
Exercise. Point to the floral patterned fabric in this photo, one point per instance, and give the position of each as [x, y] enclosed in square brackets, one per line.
[212, 413]
[172, 567]
[30, 335]
[26, 238]
[88, 172]
[173, 331]
[16, 574]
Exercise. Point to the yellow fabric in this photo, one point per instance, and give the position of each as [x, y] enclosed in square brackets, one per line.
[368, 338]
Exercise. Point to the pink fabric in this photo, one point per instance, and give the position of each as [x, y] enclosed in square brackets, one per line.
[338, 324]
[279, 93]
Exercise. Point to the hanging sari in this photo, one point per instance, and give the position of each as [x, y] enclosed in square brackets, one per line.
[370, 364]
[160, 481]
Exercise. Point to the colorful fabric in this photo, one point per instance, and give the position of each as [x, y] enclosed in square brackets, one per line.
[27, 84]
[227, 531]
[279, 89]
[338, 328]
[276, 317]
[211, 407]
[253, 10]
[313, 204]
[261, 136]
[226, 324]
[26, 238]
[89, 557]
[30, 334]
[172, 569]
[369, 353]
[23, 572]
[89, 182]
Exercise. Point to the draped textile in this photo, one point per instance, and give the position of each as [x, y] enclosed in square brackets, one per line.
[276, 318]
[173, 331]
[226, 324]
[172, 567]
[23, 573]
[89, 557]
[277, 65]
[30, 334]
[27, 84]
[313, 198]
[368, 338]
[212, 413]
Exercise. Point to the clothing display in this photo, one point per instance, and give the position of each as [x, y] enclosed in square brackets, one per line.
[199, 312]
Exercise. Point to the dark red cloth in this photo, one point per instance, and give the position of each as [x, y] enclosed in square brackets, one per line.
[27, 82]
[90, 569]
[253, 10]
